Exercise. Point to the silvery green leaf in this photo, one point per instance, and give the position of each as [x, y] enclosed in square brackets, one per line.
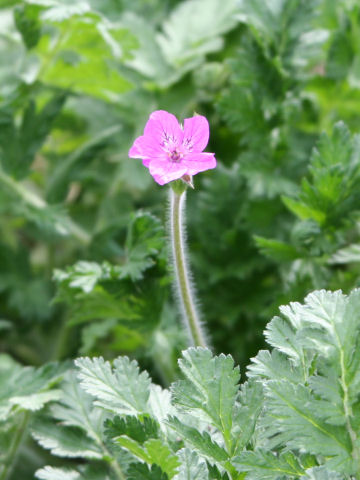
[209, 389]
[261, 464]
[192, 466]
[121, 388]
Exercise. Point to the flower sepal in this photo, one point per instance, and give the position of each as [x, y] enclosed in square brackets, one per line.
[179, 186]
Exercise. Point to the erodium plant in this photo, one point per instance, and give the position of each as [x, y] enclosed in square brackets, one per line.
[296, 415]
[174, 154]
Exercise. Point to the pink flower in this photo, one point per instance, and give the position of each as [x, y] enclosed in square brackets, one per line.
[170, 151]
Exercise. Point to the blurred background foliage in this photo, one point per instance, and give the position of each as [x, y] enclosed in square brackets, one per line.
[83, 251]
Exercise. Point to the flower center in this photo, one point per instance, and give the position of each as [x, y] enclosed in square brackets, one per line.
[175, 156]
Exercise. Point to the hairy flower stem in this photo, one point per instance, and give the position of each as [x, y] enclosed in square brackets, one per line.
[190, 314]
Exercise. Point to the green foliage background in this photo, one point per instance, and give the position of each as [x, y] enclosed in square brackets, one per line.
[83, 252]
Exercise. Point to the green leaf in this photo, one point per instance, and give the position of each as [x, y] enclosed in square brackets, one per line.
[286, 27]
[145, 239]
[161, 455]
[209, 389]
[19, 144]
[276, 250]
[247, 411]
[91, 334]
[345, 255]
[332, 190]
[58, 182]
[57, 10]
[293, 421]
[160, 405]
[260, 16]
[97, 302]
[192, 467]
[89, 472]
[313, 410]
[281, 334]
[27, 22]
[330, 322]
[303, 211]
[201, 442]
[121, 389]
[53, 473]
[139, 430]
[265, 465]
[206, 20]
[148, 59]
[65, 441]
[274, 365]
[340, 55]
[140, 471]
[153, 451]
[321, 473]
[81, 58]
[82, 275]
[27, 388]
[75, 408]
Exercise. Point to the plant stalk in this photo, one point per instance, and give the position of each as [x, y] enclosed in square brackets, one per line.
[183, 284]
[14, 448]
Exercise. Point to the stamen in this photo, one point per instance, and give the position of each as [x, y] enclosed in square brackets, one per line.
[175, 156]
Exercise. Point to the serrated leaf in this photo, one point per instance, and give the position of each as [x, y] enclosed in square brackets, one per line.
[121, 389]
[201, 442]
[345, 255]
[53, 473]
[209, 19]
[292, 420]
[140, 471]
[27, 388]
[273, 365]
[311, 411]
[145, 238]
[152, 452]
[35, 401]
[265, 465]
[192, 467]
[161, 455]
[330, 322]
[321, 473]
[139, 430]
[331, 191]
[247, 410]
[282, 335]
[209, 389]
[69, 442]
[89, 472]
[75, 408]
[159, 404]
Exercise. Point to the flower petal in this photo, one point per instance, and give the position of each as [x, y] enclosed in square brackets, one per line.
[145, 147]
[196, 133]
[198, 162]
[164, 129]
[164, 171]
